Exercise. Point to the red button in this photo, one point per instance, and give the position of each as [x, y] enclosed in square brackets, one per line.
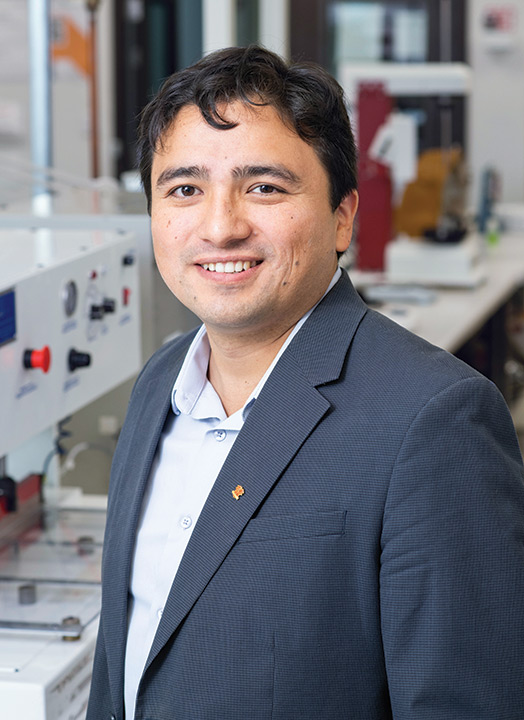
[38, 359]
[126, 292]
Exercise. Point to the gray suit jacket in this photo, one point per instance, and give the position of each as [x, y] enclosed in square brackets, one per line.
[374, 567]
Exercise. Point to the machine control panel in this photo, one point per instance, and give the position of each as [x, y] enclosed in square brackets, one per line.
[69, 324]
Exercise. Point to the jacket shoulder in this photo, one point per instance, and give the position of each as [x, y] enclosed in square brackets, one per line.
[165, 358]
[406, 359]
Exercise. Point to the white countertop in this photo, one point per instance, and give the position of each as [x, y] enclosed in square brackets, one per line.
[458, 313]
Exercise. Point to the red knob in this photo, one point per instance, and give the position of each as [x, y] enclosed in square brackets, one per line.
[38, 359]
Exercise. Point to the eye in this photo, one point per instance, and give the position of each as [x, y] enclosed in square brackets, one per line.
[266, 189]
[184, 191]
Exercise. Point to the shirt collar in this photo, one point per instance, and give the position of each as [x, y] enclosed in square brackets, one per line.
[192, 379]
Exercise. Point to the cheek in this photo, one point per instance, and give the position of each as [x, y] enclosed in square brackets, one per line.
[166, 259]
[160, 246]
[292, 233]
[166, 239]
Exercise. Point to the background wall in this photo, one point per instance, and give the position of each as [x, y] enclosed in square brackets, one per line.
[496, 106]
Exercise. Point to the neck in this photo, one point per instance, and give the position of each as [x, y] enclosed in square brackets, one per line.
[235, 369]
[239, 358]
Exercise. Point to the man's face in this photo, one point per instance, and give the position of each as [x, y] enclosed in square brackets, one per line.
[243, 231]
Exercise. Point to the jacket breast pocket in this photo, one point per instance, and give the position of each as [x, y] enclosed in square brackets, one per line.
[282, 527]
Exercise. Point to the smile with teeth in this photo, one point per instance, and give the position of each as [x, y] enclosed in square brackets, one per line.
[230, 267]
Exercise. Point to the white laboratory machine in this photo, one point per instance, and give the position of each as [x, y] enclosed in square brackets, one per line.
[69, 324]
[32, 197]
[49, 606]
[36, 197]
[69, 332]
[414, 260]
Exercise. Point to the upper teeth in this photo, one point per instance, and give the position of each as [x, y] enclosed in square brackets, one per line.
[229, 267]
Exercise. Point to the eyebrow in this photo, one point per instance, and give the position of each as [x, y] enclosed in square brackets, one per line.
[280, 172]
[192, 171]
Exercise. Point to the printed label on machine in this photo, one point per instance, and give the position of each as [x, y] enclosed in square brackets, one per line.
[67, 697]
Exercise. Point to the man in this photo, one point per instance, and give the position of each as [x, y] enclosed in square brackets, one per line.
[312, 512]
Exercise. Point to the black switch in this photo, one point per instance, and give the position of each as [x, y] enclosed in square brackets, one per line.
[109, 305]
[78, 359]
[96, 312]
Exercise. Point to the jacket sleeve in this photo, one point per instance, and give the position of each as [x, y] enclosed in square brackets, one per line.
[452, 562]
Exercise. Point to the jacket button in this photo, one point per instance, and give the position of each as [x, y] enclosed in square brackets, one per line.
[112, 717]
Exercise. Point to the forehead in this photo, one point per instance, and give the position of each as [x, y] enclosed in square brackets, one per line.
[235, 113]
[258, 132]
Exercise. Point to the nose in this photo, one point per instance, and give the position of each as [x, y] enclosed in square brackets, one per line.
[224, 221]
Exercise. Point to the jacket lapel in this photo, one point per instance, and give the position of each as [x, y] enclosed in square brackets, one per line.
[146, 423]
[284, 415]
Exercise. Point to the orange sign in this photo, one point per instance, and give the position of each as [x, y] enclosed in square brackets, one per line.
[71, 43]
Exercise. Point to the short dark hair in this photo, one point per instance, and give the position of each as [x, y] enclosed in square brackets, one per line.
[306, 96]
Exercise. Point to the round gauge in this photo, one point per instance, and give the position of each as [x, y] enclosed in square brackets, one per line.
[70, 297]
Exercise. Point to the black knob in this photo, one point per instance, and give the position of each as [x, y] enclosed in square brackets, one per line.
[128, 259]
[78, 359]
[109, 305]
[96, 312]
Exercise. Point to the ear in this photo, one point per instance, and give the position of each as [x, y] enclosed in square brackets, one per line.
[345, 215]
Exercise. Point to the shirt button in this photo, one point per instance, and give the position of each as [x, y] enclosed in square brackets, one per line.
[159, 613]
[186, 522]
[220, 435]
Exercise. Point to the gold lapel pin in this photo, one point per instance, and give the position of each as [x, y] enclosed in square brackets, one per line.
[237, 492]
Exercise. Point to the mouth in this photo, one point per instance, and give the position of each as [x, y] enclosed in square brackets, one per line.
[231, 267]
